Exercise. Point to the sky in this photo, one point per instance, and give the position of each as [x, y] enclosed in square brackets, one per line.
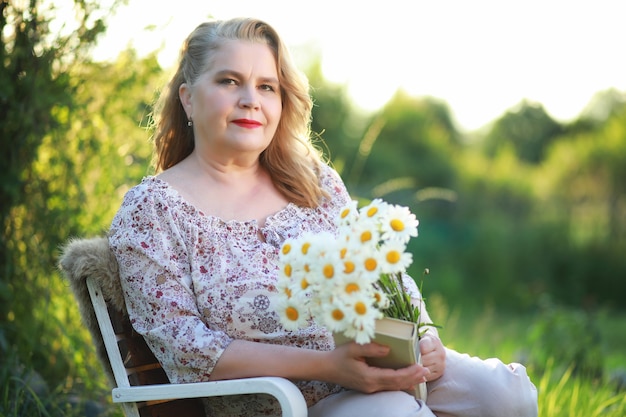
[481, 57]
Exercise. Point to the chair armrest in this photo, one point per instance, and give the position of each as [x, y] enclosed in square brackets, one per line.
[288, 395]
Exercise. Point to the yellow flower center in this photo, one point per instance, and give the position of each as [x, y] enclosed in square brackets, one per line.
[352, 287]
[397, 225]
[304, 284]
[291, 313]
[337, 314]
[366, 236]
[371, 212]
[370, 264]
[286, 248]
[360, 308]
[393, 257]
[329, 271]
[342, 252]
[345, 213]
[348, 267]
[288, 292]
[288, 270]
[305, 248]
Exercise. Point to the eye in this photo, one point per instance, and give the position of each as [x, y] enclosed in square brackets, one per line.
[227, 81]
[267, 87]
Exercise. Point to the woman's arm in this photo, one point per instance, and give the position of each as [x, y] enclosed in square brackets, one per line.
[344, 366]
[155, 277]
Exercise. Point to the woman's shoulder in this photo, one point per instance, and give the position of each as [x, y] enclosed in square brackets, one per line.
[151, 198]
[150, 206]
[332, 183]
[327, 175]
[146, 191]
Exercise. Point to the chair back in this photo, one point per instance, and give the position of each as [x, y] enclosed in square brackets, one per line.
[128, 361]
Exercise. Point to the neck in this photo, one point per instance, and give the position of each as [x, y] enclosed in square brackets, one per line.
[225, 171]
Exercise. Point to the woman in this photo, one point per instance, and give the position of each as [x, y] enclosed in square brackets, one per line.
[197, 246]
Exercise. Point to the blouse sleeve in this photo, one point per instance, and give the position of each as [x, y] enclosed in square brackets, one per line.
[332, 183]
[156, 279]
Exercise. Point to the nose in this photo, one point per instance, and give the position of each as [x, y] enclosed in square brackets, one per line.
[249, 98]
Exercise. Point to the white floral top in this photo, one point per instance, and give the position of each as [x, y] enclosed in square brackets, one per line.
[193, 282]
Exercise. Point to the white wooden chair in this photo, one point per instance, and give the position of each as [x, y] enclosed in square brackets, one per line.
[140, 384]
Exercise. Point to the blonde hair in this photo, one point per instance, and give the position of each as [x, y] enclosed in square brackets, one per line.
[291, 159]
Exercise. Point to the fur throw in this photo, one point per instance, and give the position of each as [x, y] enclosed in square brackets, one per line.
[85, 257]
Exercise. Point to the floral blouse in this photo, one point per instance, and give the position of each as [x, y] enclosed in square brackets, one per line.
[193, 282]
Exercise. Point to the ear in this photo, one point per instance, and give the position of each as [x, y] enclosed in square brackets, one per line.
[184, 94]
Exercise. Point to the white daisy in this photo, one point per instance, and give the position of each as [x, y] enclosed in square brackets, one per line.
[367, 263]
[348, 214]
[362, 315]
[328, 263]
[287, 249]
[393, 257]
[374, 210]
[292, 314]
[399, 224]
[364, 233]
[381, 300]
[334, 315]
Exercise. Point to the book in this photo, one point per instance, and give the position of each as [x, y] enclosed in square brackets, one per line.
[402, 337]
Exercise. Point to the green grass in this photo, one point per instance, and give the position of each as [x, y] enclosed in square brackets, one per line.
[571, 396]
[512, 338]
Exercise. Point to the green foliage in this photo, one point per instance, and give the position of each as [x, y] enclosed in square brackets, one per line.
[568, 396]
[56, 138]
[572, 336]
[562, 391]
[35, 84]
[400, 305]
[24, 392]
[536, 207]
[334, 123]
[528, 129]
[68, 173]
[415, 138]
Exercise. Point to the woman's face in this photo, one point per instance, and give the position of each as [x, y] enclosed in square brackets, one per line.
[236, 104]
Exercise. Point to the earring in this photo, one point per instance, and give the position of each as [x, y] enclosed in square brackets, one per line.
[189, 123]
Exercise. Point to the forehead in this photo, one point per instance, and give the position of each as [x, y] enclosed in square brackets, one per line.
[245, 57]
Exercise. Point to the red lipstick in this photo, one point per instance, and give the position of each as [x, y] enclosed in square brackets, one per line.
[247, 123]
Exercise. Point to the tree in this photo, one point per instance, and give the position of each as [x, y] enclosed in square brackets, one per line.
[408, 143]
[528, 130]
[38, 90]
[334, 119]
[586, 171]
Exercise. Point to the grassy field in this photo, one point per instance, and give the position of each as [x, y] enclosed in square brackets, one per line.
[540, 341]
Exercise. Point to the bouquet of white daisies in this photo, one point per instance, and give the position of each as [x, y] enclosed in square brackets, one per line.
[347, 281]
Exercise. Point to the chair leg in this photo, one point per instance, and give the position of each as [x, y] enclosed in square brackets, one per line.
[130, 409]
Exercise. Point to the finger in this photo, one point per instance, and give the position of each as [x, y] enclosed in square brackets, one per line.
[423, 373]
[400, 379]
[372, 350]
[414, 372]
[427, 344]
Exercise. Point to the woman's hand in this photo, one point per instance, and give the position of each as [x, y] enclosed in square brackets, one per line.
[433, 356]
[351, 370]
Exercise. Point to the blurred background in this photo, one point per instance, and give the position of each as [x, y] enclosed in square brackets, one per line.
[501, 124]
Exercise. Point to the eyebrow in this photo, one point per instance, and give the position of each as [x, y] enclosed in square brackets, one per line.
[222, 73]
